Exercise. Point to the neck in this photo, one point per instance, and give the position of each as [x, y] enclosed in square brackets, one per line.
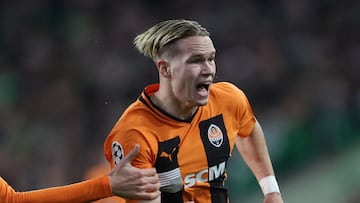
[172, 106]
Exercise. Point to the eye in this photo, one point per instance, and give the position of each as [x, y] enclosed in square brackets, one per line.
[196, 60]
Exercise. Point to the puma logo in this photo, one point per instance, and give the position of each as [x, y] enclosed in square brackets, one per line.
[166, 155]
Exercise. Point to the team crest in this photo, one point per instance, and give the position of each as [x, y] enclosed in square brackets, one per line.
[215, 135]
[117, 152]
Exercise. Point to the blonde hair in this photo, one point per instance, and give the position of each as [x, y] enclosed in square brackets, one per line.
[151, 42]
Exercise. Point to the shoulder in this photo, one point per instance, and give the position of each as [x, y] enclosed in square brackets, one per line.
[136, 115]
[134, 121]
[133, 127]
[227, 91]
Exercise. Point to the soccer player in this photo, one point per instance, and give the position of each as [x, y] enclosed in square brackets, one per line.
[187, 125]
[124, 181]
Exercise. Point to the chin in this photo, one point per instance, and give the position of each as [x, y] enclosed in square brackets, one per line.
[202, 102]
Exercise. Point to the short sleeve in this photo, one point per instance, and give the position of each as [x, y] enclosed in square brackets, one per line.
[120, 143]
[238, 105]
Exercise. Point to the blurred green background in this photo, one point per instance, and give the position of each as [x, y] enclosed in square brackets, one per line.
[68, 69]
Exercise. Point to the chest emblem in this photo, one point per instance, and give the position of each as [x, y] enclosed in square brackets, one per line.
[168, 155]
[215, 135]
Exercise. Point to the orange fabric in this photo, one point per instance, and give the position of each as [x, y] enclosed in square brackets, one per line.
[98, 171]
[196, 151]
[86, 191]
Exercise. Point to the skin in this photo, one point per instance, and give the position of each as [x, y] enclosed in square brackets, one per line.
[125, 181]
[190, 62]
[254, 151]
[181, 73]
[133, 183]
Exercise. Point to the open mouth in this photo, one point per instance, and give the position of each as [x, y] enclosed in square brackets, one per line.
[203, 88]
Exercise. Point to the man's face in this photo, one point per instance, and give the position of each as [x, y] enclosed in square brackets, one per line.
[192, 70]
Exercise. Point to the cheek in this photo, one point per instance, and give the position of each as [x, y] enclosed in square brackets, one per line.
[182, 86]
[182, 75]
[183, 79]
[186, 80]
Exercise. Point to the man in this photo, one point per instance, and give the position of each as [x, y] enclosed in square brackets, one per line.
[124, 181]
[187, 125]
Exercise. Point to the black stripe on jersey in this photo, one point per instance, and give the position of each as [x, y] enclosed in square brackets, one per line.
[166, 159]
[216, 144]
[167, 166]
[144, 102]
[163, 111]
[167, 197]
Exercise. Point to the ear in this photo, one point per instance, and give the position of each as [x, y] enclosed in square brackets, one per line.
[163, 68]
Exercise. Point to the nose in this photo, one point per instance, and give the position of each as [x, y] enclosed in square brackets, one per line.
[208, 69]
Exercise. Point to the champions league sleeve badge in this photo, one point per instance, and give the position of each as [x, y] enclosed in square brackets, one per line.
[117, 152]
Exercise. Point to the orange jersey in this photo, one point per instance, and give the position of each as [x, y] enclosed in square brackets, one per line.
[97, 171]
[190, 156]
[86, 191]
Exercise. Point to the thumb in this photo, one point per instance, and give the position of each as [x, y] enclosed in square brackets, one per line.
[132, 154]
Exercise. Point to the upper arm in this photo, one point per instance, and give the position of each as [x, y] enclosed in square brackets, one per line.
[121, 142]
[255, 134]
[254, 151]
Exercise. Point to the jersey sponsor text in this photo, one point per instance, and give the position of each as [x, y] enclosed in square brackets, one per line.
[207, 174]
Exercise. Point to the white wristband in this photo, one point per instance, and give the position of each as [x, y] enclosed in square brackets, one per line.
[269, 184]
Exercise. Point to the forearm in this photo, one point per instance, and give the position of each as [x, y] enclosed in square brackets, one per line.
[85, 191]
[254, 151]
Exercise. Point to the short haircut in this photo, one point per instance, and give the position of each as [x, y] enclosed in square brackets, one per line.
[151, 42]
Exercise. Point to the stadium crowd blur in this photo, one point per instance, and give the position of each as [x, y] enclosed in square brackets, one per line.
[68, 69]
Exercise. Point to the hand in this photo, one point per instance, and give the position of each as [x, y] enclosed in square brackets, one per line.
[274, 197]
[133, 183]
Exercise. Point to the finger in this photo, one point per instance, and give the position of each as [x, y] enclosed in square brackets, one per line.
[152, 187]
[151, 180]
[132, 154]
[149, 172]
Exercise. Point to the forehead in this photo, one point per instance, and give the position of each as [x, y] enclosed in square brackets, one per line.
[195, 45]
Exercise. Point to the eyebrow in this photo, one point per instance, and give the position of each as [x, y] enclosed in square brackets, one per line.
[202, 55]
